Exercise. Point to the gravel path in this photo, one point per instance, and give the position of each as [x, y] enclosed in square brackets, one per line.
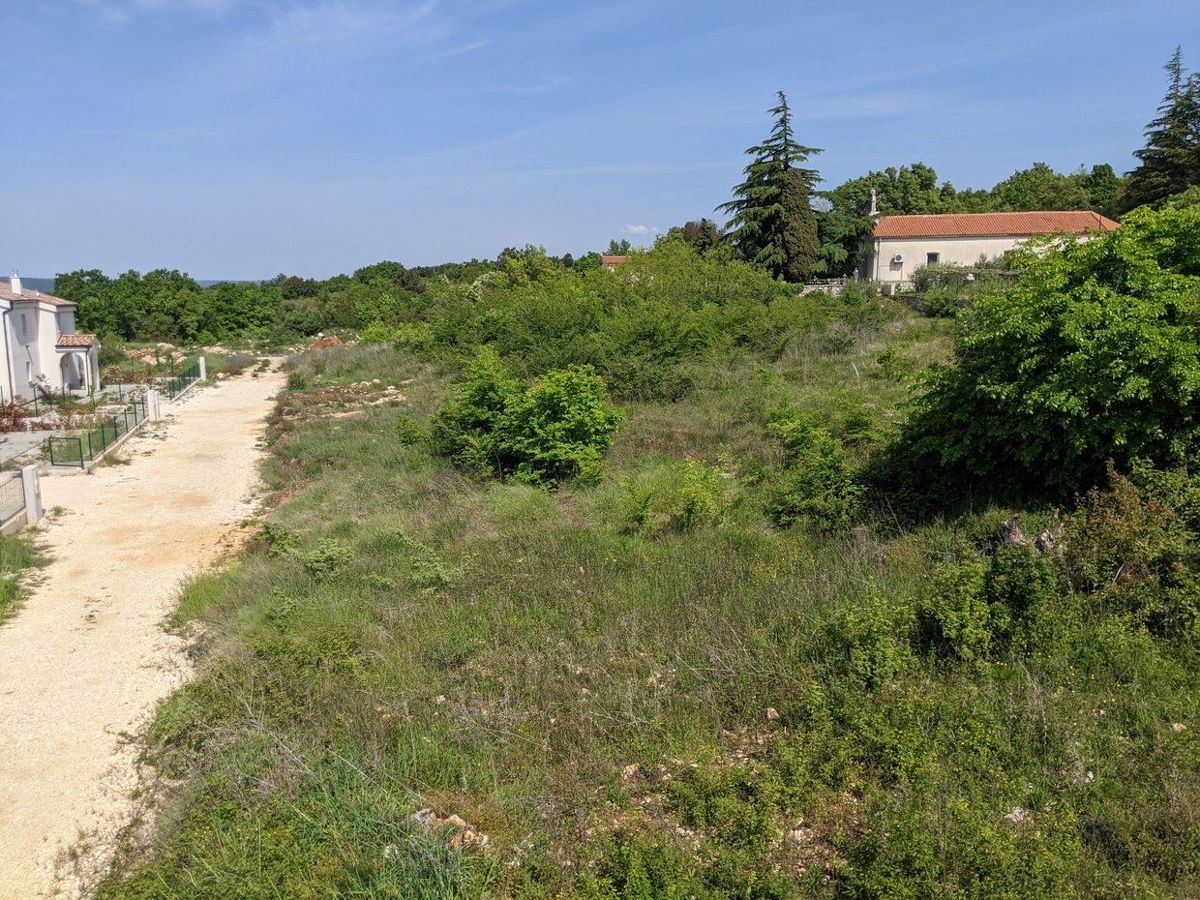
[86, 659]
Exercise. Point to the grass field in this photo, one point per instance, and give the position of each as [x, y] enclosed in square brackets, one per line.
[730, 709]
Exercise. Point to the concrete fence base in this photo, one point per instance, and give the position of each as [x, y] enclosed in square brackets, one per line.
[32, 483]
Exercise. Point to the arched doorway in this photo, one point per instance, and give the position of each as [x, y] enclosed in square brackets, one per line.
[71, 371]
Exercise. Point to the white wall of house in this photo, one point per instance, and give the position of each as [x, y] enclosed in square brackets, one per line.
[8, 382]
[917, 252]
[47, 338]
[23, 322]
[66, 319]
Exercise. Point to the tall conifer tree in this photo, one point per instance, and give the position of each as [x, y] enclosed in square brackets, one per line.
[1170, 162]
[771, 218]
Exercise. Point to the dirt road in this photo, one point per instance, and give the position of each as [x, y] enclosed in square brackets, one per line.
[83, 663]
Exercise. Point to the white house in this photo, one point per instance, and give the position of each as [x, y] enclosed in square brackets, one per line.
[902, 244]
[40, 351]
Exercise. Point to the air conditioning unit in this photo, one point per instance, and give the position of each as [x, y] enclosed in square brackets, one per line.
[898, 258]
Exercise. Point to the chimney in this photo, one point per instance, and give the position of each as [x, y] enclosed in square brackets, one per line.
[874, 204]
[15, 284]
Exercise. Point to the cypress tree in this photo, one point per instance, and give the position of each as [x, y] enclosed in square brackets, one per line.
[771, 218]
[1170, 162]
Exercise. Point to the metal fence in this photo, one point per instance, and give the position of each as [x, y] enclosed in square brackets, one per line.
[177, 384]
[80, 449]
[12, 495]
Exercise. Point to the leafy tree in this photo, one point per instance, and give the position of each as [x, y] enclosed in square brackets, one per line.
[1093, 355]
[292, 287]
[619, 248]
[702, 234]
[559, 427]
[1040, 187]
[771, 220]
[845, 226]
[392, 274]
[588, 261]
[1170, 161]
[1103, 186]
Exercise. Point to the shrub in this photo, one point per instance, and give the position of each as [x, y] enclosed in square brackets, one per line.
[1134, 555]
[894, 366]
[1092, 355]
[559, 427]
[279, 539]
[464, 430]
[327, 559]
[955, 619]
[978, 606]
[676, 496]
[873, 634]
[378, 333]
[409, 432]
[296, 381]
[816, 485]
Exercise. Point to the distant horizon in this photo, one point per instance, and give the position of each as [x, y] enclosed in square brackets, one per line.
[314, 137]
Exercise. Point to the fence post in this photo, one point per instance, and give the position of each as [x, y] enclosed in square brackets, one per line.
[31, 483]
[203, 369]
[153, 409]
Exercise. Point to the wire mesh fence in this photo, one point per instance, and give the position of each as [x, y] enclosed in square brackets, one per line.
[12, 495]
[175, 385]
[80, 449]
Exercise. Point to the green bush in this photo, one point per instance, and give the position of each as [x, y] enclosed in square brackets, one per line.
[1132, 553]
[872, 632]
[559, 427]
[327, 559]
[465, 429]
[816, 485]
[676, 496]
[1092, 355]
[956, 619]
[979, 606]
[378, 333]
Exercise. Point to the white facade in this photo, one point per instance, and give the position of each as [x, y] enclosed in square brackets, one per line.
[893, 260]
[903, 244]
[40, 350]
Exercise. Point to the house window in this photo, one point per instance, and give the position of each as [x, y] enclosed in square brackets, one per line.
[24, 327]
[29, 371]
[932, 259]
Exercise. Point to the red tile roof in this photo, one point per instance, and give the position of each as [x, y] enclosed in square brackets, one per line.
[76, 340]
[28, 296]
[1004, 224]
[613, 260]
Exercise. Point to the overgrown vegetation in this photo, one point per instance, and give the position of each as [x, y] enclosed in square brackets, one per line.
[1091, 357]
[18, 556]
[721, 663]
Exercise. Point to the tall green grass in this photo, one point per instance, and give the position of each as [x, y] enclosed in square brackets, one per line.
[18, 557]
[653, 713]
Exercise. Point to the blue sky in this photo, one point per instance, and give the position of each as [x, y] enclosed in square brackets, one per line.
[241, 138]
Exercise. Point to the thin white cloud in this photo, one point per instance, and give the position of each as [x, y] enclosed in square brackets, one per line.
[121, 10]
[339, 25]
[640, 230]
